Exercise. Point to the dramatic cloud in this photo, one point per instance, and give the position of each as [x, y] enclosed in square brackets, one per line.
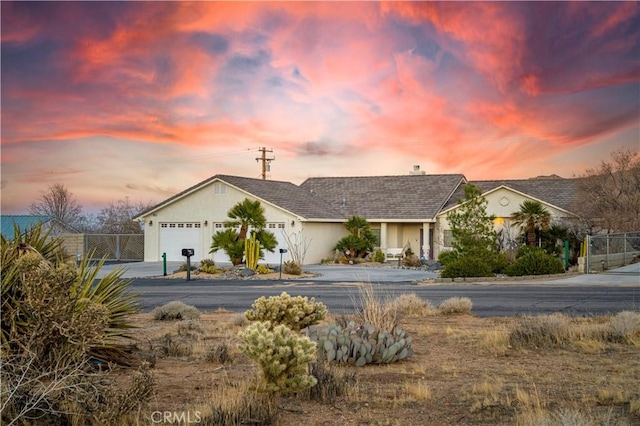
[143, 99]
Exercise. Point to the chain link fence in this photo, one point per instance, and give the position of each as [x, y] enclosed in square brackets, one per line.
[112, 247]
[609, 251]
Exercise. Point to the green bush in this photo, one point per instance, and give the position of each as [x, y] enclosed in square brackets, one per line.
[446, 257]
[294, 312]
[534, 261]
[379, 256]
[291, 267]
[467, 266]
[282, 355]
[175, 310]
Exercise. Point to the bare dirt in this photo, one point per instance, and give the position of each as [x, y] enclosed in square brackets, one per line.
[461, 373]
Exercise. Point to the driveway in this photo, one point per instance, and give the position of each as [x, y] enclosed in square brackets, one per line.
[627, 275]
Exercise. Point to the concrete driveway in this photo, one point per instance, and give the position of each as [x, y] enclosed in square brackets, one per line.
[627, 275]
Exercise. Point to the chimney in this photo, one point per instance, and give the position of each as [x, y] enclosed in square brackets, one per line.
[416, 170]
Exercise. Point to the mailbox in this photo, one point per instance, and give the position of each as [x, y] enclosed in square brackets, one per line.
[187, 252]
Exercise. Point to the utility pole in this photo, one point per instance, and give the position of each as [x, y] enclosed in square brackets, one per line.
[265, 161]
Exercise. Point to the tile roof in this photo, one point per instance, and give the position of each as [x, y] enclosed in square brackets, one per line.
[285, 195]
[558, 192]
[24, 222]
[418, 197]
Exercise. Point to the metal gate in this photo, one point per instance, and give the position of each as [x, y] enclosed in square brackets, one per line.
[121, 247]
[608, 251]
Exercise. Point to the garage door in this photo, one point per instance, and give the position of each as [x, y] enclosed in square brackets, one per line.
[176, 236]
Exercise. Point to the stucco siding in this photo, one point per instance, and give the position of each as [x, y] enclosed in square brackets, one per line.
[323, 237]
[207, 206]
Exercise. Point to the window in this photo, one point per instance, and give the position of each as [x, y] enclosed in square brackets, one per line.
[448, 238]
[376, 233]
[218, 226]
[189, 225]
[181, 225]
[172, 225]
[281, 226]
[219, 188]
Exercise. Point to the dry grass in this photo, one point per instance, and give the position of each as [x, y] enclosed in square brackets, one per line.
[464, 371]
[410, 304]
[377, 310]
[455, 306]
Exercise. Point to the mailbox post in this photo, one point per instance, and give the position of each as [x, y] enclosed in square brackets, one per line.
[188, 253]
[282, 251]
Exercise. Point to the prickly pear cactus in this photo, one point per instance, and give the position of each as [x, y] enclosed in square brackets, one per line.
[360, 345]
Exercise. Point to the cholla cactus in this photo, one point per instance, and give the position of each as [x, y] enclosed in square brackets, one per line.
[282, 355]
[296, 313]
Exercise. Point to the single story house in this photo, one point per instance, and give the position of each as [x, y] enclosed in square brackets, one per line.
[404, 211]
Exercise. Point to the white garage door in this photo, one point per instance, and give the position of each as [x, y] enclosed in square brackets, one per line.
[177, 236]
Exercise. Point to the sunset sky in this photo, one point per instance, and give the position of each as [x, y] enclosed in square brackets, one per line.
[144, 99]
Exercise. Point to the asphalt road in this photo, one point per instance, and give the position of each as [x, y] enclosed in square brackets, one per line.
[488, 299]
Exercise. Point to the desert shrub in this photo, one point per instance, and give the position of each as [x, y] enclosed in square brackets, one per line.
[467, 266]
[294, 312]
[412, 304]
[455, 306]
[624, 327]
[239, 320]
[183, 267]
[175, 310]
[208, 266]
[379, 256]
[331, 382]
[58, 322]
[176, 346]
[263, 269]
[281, 354]
[534, 261]
[411, 261]
[377, 310]
[219, 354]
[291, 267]
[189, 328]
[540, 331]
[240, 404]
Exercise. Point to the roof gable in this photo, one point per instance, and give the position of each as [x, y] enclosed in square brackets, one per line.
[284, 195]
[557, 192]
[406, 197]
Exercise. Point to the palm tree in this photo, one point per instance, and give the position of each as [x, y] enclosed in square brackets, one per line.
[533, 217]
[247, 214]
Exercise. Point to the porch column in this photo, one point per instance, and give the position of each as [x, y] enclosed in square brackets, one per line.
[426, 247]
[383, 236]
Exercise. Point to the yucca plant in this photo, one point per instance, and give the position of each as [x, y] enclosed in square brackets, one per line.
[58, 309]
